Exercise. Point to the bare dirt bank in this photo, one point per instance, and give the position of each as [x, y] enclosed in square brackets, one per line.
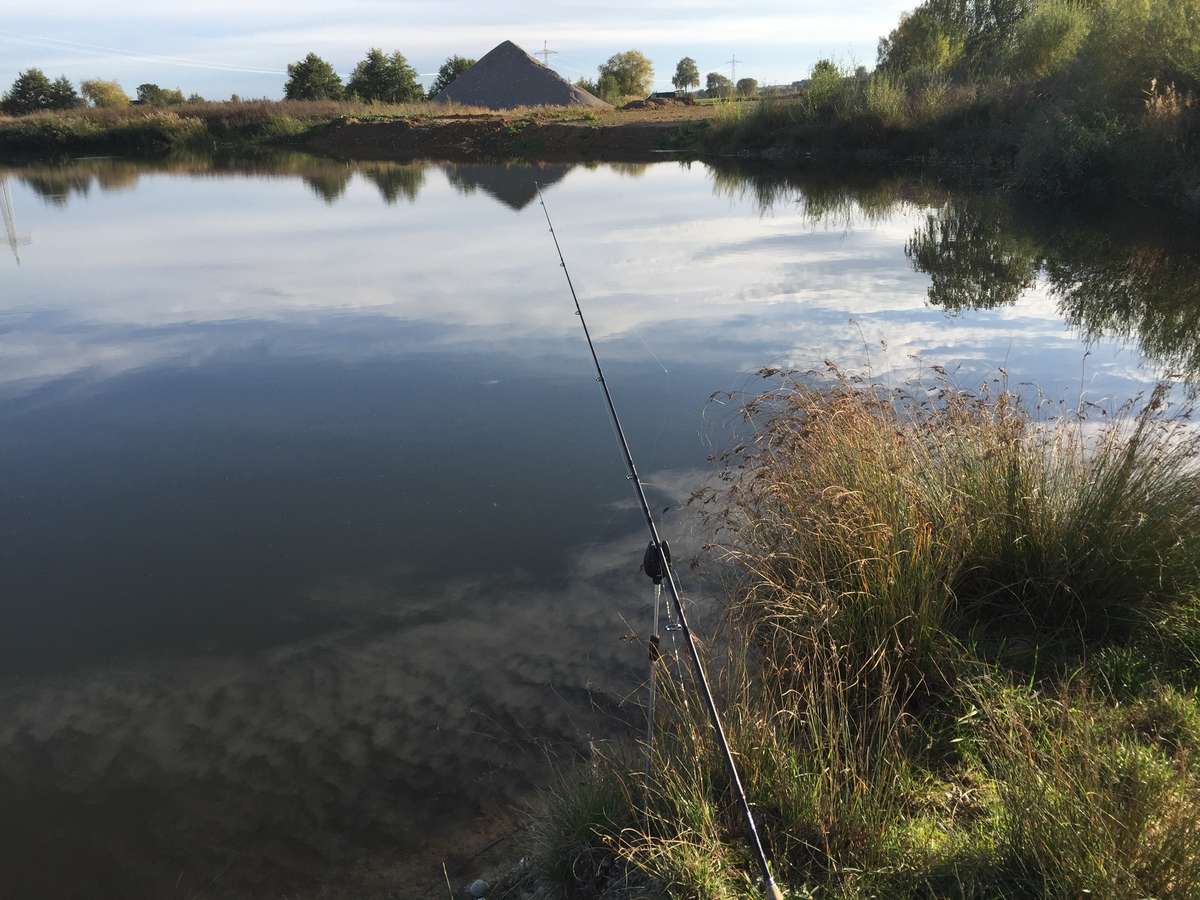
[619, 136]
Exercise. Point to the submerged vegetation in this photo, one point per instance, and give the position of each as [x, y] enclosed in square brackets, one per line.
[1061, 98]
[962, 660]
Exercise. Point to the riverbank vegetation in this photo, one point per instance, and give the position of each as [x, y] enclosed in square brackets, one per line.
[155, 131]
[1062, 98]
[962, 660]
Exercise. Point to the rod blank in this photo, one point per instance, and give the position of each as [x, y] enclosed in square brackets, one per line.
[770, 887]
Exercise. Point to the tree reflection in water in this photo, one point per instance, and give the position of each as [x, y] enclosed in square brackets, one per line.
[1129, 279]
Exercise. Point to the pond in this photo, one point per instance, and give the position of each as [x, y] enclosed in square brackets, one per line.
[315, 543]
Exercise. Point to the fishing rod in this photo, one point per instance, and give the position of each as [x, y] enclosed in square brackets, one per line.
[658, 565]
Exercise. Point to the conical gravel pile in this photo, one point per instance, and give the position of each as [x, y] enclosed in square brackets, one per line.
[507, 77]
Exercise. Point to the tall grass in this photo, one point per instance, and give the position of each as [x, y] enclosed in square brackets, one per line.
[929, 582]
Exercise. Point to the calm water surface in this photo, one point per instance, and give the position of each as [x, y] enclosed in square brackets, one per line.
[314, 540]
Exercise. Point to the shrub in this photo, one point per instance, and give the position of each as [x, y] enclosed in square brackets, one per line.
[885, 99]
[831, 92]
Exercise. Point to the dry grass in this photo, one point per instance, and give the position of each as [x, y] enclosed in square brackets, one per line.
[155, 130]
[930, 581]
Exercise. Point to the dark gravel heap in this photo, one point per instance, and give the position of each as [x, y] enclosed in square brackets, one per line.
[508, 76]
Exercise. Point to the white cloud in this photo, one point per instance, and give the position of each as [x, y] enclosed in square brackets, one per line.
[777, 40]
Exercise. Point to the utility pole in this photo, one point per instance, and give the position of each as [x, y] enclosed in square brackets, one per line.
[545, 53]
[10, 222]
[733, 61]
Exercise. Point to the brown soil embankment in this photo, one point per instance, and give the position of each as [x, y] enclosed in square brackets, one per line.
[639, 136]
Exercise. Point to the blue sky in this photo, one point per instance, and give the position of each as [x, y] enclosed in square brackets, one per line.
[243, 46]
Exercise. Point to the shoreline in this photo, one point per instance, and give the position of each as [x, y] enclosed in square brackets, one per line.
[708, 132]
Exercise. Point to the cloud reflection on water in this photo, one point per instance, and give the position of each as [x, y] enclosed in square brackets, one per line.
[164, 260]
[320, 441]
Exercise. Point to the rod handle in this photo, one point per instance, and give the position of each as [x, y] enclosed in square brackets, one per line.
[774, 892]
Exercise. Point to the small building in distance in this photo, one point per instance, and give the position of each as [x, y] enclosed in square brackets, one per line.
[508, 77]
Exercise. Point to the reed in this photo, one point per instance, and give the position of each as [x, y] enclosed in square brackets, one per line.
[921, 674]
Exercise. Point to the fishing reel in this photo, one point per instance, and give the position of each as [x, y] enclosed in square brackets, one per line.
[652, 562]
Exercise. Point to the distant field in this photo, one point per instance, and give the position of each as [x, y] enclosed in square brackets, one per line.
[158, 130]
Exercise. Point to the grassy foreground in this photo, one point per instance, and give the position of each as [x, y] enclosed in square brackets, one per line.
[962, 661]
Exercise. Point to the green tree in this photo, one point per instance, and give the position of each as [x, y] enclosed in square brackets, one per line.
[686, 74]
[62, 94]
[451, 69]
[152, 95]
[717, 85]
[31, 92]
[386, 79]
[195, 98]
[825, 68]
[104, 93]
[312, 79]
[631, 70]
[924, 39]
[1047, 40]
[608, 87]
[586, 84]
[747, 87]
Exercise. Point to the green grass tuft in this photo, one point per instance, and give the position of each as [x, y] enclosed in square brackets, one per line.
[958, 661]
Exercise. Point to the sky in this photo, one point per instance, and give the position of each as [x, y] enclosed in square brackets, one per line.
[223, 47]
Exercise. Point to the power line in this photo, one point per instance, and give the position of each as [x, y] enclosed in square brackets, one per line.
[545, 53]
[98, 49]
[732, 63]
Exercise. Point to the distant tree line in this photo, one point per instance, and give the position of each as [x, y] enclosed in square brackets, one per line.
[34, 92]
[378, 78]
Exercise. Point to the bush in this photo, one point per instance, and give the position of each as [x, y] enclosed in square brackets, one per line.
[830, 90]
[886, 99]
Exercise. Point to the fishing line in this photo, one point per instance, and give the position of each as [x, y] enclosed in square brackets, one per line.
[658, 554]
[653, 355]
